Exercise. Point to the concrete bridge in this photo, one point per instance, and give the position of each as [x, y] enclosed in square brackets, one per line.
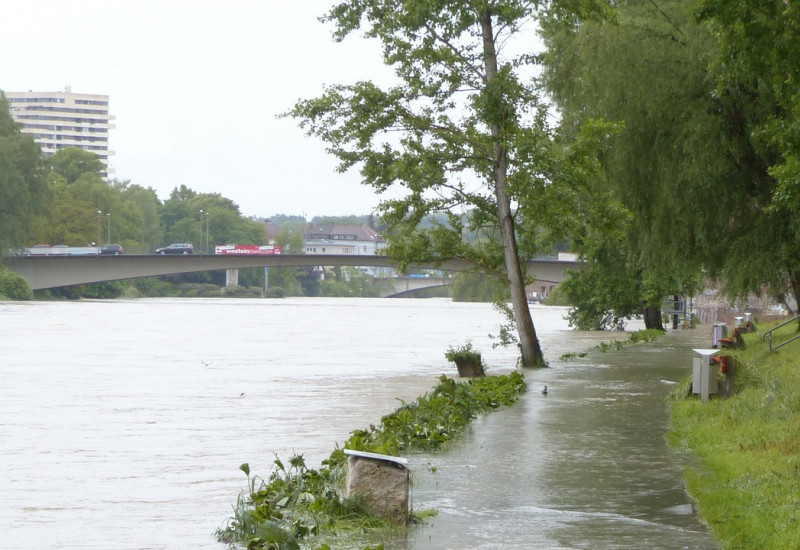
[409, 285]
[43, 272]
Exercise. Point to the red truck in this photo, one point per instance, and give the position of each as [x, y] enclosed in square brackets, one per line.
[251, 249]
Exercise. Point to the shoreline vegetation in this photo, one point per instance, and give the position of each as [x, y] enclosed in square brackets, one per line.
[744, 467]
[297, 506]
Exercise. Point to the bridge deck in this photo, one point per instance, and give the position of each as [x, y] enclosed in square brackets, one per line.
[54, 271]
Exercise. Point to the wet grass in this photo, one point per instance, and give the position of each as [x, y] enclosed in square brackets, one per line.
[297, 507]
[746, 479]
[638, 337]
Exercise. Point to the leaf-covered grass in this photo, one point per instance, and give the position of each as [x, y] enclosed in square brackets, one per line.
[297, 503]
[638, 337]
[747, 480]
[439, 416]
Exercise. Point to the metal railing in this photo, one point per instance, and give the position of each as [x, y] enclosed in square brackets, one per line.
[770, 331]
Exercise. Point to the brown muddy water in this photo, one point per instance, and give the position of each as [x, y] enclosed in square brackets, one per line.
[123, 423]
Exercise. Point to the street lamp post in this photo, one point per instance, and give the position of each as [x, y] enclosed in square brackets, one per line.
[208, 228]
[99, 217]
[108, 216]
[208, 219]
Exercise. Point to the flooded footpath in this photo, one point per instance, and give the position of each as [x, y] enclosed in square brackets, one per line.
[123, 423]
[586, 466]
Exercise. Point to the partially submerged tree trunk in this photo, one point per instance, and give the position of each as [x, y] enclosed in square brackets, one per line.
[469, 367]
[529, 343]
[652, 318]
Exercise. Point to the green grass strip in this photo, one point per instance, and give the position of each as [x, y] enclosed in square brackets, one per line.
[746, 479]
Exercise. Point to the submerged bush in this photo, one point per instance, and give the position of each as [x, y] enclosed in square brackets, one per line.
[439, 416]
[297, 502]
[14, 286]
[638, 337]
[467, 359]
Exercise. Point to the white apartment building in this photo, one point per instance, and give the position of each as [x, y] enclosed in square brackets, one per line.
[358, 240]
[57, 120]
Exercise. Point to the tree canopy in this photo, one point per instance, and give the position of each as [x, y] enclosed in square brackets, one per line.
[22, 184]
[462, 131]
[755, 72]
[702, 91]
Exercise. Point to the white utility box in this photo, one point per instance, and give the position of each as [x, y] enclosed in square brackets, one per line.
[704, 373]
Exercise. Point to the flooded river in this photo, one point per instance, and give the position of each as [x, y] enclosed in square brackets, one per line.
[123, 423]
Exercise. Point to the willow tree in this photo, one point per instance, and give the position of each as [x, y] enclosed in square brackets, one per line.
[755, 70]
[707, 161]
[642, 64]
[462, 131]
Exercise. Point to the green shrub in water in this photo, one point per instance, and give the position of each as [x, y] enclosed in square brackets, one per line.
[467, 360]
[14, 286]
[297, 503]
[638, 337]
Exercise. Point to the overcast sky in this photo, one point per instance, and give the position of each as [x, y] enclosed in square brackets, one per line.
[195, 86]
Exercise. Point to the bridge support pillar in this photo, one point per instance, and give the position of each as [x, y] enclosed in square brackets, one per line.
[232, 277]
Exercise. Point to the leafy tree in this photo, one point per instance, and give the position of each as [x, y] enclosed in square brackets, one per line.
[642, 65]
[139, 208]
[709, 132]
[292, 223]
[340, 220]
[191, 217]
[14, 286]
[80, 206]
[755, 70]
[64, 218]
[308, 278]
[177, 207]
[291, 242]
[73, 163]
[463, 133]
[22, 185]
[186, 230]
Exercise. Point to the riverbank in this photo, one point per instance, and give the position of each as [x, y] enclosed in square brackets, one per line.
[746, 479]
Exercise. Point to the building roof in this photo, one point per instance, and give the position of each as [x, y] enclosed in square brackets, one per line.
[361, 232]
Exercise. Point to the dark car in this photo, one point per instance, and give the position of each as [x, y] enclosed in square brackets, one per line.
[111, 249]
[177, 248]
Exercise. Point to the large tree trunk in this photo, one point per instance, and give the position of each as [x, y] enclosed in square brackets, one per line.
[529, 343]
[652, 318]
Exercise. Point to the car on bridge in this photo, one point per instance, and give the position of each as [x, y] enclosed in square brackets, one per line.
[176, 248]
[111, 249]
